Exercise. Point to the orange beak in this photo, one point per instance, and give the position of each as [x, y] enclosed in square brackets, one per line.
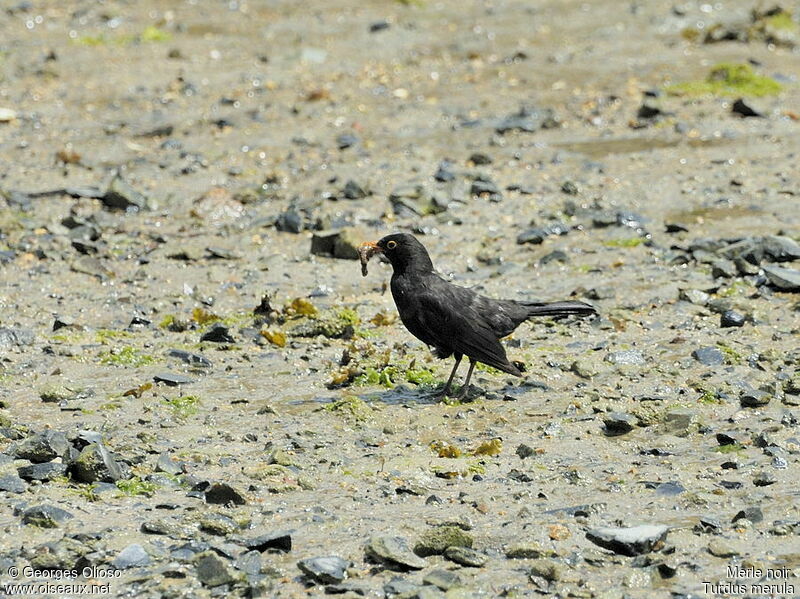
[366, 251]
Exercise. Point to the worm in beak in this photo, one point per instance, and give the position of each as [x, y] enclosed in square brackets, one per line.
[366, 251]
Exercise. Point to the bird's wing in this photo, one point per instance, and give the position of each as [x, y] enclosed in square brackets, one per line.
[450, 314]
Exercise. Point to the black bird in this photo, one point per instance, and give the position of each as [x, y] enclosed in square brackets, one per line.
[453, 320]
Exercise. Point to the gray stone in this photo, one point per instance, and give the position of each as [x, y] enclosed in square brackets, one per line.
[95, 463]
[341, 243]
[632, 541]
[120, 195]
[325, 570]
[45, 516]
[42, 447]
[722, 548]
[15, 337]
[724, 269]
[435, 540]
[132, 556]
[785, 279]
[222, 493]
[731, 318]
[618, 423]
[11, 483]
[353, 191]
[281, 541]
[212, 570]
[217, 524]
[629, 357]
[466, 556]
[694, 296]
[42, 472]
[193, 359]
[754, 398]
[395, 551]
[709, 356]
[172, 379]
[442, 579]
[546, 568]
[249, 563]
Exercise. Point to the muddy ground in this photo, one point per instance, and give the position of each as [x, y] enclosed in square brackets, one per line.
[165, 166]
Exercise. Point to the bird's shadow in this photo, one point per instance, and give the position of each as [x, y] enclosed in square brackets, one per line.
[432, 394]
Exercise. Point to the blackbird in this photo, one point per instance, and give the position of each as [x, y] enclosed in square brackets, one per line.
[453, 320]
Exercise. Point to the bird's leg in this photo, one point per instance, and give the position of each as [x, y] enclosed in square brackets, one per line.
[465, 388]
[452, 375]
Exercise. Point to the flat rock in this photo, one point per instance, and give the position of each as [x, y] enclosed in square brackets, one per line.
[11, 483]
[172, 379]
[42, 472]
[709, 356]
[324, 570]
[213, 570]
[45, 516]
[632, 541]
[395, 551]
[190, 358]
[281, 540]
[618, 423]
[785, 279]
[466, 556]
[122, 196]
[42, 447]
[132, 556]
[442, 579]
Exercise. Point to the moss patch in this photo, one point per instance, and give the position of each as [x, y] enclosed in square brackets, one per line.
[184, 406]
[126, 356]
[729, 79]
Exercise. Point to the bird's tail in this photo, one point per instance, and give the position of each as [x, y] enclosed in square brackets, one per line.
[559, 308]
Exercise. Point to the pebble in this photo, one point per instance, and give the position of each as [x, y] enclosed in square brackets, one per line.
[754, 398]
[325, 570]
[731, 318]
[395, 550]
[636, 540]
[764, 479]
[193, 359]
[218, 333]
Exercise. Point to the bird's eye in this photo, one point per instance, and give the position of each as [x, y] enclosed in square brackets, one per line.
[391, 244]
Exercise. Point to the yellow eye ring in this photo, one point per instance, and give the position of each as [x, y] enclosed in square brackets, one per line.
[391, 244]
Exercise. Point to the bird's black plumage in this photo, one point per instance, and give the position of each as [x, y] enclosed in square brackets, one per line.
[455, 320]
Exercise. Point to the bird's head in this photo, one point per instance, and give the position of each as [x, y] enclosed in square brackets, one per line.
[401, 249]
